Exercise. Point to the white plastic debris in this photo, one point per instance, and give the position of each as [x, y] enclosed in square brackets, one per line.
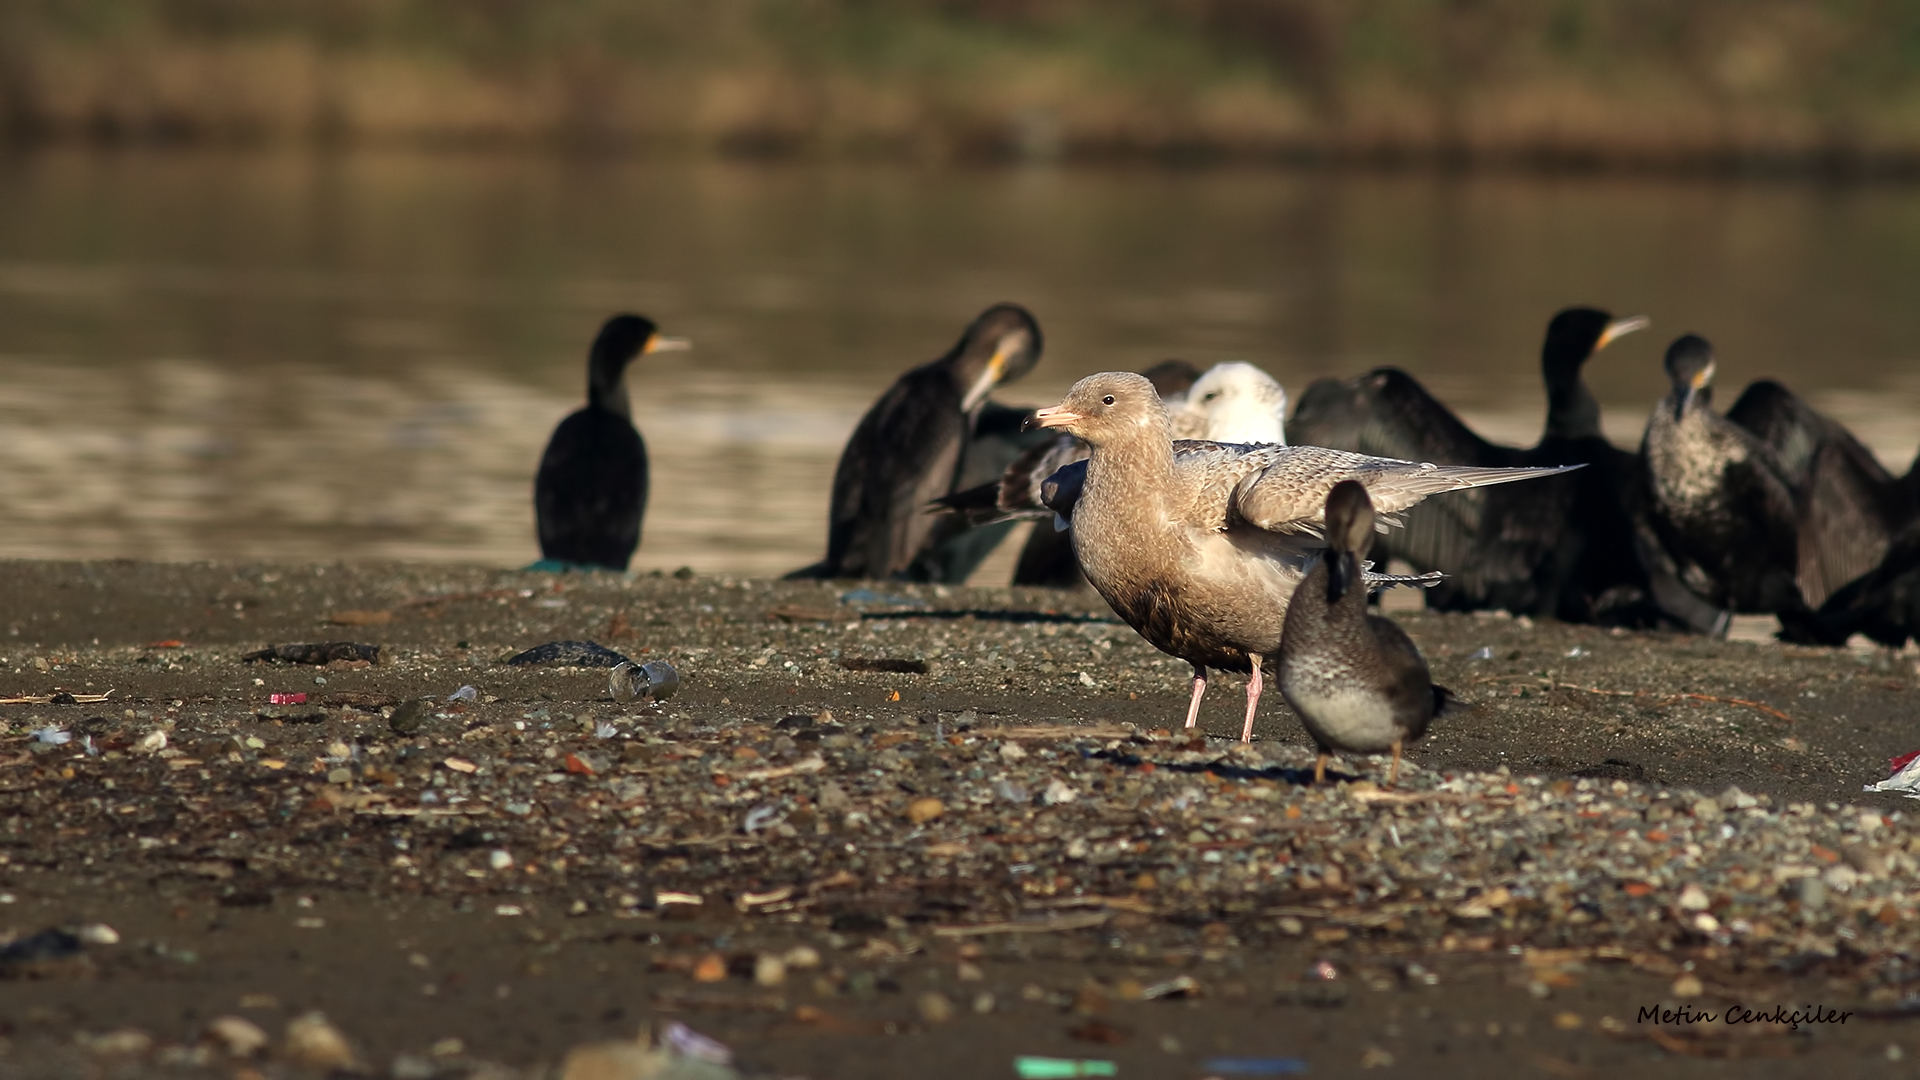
[152, 742]
[687, 1042]
[605, 731]
[465, 693]
[1057, 792]
[98, 933]
[1484, 652]
[1904, 781]
[53, 736]
[500, 859]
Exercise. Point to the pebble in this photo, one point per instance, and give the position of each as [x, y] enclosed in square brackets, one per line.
[935, 1007]
[237, 1035]
[313, 1041]
[921, 811]
[769, 970]
[1688, 986]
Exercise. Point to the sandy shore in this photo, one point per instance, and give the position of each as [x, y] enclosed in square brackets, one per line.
[964, 802]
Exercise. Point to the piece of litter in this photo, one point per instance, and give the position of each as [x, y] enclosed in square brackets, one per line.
[655, 680]
[1256, 1066]
[53, 736]
[605, 731]
[763, 817]
[1578, 651]
[286, 699]
[1904, 781]
[1484, 652]
[687, 1042]
[465, 693]
[1046, 1068]
[1185, 986]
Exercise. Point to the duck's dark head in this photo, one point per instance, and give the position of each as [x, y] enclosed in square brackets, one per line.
[1349, 535]
[622, 339]
[1573, 337]
[1000, 346]
[1110, 407]
[1690, 368]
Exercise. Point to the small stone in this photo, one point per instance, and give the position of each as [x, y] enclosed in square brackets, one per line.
[1291, 926]
[1688, 986]
[312, 1041]
[1058, 792]
[1376, 1057]
[1012, 751]
[1840, 878]
[769, 970]
[616, 1061]
[1708, 810]
[967, 971]
[935, 1007]
[98, 934]
[341, 775]
[921, 811]
[410, 716]
[1567, 1021]
[447, 1048]
[711, 968]
[500, 860]
[1810, 891]
[1694, 898]
[833, 798]
[126, 1042]
[983, 1002]
[1735, 799]
[802, 957]
[237, 1035]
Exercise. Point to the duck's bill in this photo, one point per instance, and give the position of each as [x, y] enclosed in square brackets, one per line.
[1620, 328]
[1056, 416]
[668, 344]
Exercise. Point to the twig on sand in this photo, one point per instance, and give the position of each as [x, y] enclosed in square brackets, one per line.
[1038, 926]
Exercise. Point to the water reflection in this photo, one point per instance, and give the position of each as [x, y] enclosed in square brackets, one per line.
[361, 357]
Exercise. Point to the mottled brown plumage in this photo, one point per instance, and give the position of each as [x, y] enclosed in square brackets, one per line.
[1199, 545]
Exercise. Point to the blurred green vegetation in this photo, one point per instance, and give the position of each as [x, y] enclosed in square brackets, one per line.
[1706, 83]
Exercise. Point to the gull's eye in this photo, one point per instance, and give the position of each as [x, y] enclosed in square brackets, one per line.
[1211, 394]
[1108, 400]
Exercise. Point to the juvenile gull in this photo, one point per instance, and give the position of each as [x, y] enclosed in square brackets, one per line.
[591, 491]
[1199, 545]
[1356, 680]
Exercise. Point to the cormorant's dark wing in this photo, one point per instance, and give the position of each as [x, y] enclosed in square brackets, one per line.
[1883, 604]
[1848, 517]
[591, 490]
[1794, 430]
[1387, 413]
[902, 456]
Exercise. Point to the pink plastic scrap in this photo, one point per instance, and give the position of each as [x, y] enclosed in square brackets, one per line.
[1905, 779]
[286, 699]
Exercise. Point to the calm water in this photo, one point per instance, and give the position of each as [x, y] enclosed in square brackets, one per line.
[301, 357]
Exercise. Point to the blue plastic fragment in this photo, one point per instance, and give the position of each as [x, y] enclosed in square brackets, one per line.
[1257, 1066]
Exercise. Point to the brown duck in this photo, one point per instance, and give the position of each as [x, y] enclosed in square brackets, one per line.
[1355, 679]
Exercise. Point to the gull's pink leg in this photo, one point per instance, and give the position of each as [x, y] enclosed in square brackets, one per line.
[1199, 688]
[1253, 699]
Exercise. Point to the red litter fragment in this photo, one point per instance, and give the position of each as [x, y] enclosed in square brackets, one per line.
[1900, 762]
[170, 643]
[575, 765]
[287, 699]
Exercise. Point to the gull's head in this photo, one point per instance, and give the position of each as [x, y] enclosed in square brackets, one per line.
[1239, 403]
[1108, 407]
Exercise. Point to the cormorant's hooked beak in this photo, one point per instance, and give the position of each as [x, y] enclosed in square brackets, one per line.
[1620, 328]
[656, 343]
[1057, 416]
[1695, 386]
[988, 379]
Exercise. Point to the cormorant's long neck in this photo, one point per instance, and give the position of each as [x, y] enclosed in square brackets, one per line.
[607, 386]
[1572, 411]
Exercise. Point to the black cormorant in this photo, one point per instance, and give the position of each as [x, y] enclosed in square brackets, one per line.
[1720, 499]
[911, 448]
[591, 490]
[1569, 546]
